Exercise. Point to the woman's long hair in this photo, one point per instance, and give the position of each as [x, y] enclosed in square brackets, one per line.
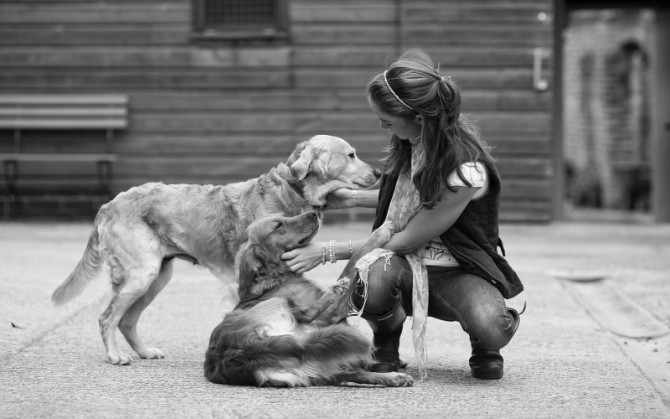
[448, 137]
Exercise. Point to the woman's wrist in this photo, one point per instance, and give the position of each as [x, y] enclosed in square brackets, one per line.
[354, 199]
[364, 198]
[332, 251]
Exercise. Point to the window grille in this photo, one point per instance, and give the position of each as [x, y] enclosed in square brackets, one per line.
[240, 18]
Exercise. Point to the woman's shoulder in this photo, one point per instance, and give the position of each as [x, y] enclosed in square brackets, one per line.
[474, 172]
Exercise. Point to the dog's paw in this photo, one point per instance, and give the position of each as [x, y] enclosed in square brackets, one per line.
[151, 353]
[382, 234]
[400, 379]
[119, 359]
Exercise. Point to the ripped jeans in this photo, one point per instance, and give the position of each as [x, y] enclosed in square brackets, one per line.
[454, 295]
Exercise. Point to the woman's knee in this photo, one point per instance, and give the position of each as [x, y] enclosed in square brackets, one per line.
[491, 329]
[384, 288]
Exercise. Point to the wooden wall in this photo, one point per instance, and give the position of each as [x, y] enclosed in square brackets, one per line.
[217, 114]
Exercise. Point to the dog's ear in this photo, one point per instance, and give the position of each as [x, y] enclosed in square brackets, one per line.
[247, 268]
[309, 159]
[258, 270]
[296, 153]
[299, 162]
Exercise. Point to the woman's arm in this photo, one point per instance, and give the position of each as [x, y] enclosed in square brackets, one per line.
[425, 226]
[349, 198]
[430, 223]
[308, 257]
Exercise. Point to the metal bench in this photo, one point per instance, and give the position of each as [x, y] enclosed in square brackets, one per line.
[60, 112]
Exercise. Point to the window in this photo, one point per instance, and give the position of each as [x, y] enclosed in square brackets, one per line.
[240, 19]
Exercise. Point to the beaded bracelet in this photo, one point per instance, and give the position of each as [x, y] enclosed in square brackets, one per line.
[323, 253]
[354, 197]
[351, 249]
[331, 251]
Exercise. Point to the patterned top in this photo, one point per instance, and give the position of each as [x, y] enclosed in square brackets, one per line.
[435, 253]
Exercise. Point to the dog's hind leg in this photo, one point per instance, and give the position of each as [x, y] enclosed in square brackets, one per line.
[132, 285]
[128, 323]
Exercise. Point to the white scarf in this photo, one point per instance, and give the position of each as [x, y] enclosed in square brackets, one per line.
[405, 204]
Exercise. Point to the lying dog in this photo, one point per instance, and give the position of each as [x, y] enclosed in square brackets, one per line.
[286, 332]
[142, 230]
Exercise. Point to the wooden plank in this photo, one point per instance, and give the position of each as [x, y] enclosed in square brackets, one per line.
[253, 101]
[62, 80]
[228, 123]
[352, 99]
[57, 157]
[320, 33]
[246, 167]
[342, 56]
[29, 113]
[83, 34]
[354, 12]
[98, 12]
[447, 12]
[146, 57]
[63, 123]
[531, 167]
[237, 167]
[425, 35]
[473, 78]
[56, 171]
[514, 188]
[452, 57]
[69, 99]
[533, 122]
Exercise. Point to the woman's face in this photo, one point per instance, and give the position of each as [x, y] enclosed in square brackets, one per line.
[403, 128]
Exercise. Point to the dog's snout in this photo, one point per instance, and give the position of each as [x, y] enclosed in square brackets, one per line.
[312, 216]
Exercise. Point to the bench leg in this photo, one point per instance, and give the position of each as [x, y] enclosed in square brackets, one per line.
[11, 171]
[11, 174]
[105, 177]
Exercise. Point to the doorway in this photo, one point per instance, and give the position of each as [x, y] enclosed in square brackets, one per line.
[605, 82]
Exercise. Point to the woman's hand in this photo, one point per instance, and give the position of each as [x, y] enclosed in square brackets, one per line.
[303, 259]
[340, 198]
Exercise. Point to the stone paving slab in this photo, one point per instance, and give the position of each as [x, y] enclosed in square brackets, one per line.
[561, 363]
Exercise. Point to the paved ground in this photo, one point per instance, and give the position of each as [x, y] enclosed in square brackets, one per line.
[584, 349]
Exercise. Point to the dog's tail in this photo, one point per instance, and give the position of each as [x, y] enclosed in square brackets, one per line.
[87, 269]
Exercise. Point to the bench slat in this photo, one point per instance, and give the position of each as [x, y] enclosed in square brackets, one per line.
[63, 123]
[5, 113]
[56, 99]
[57, 157]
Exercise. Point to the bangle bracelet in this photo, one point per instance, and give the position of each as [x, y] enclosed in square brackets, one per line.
[331, 251]
[354, 197]
[323, 253]
[351, 249]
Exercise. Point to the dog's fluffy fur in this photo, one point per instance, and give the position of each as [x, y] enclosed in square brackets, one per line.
[142, 230]
[286, 331]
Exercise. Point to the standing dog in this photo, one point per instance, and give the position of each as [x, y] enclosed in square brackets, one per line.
[286, 332]
[142, 230]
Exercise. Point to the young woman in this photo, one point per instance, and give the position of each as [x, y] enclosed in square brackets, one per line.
[441, 189]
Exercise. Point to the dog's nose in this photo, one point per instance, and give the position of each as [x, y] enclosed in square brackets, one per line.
[312, 215]
[377, 172]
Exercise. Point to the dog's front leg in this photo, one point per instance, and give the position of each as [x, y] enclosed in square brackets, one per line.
[321, 312]
[333, 306]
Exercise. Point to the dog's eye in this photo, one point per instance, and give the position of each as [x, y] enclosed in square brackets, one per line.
[279, 225]
[352, 155]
